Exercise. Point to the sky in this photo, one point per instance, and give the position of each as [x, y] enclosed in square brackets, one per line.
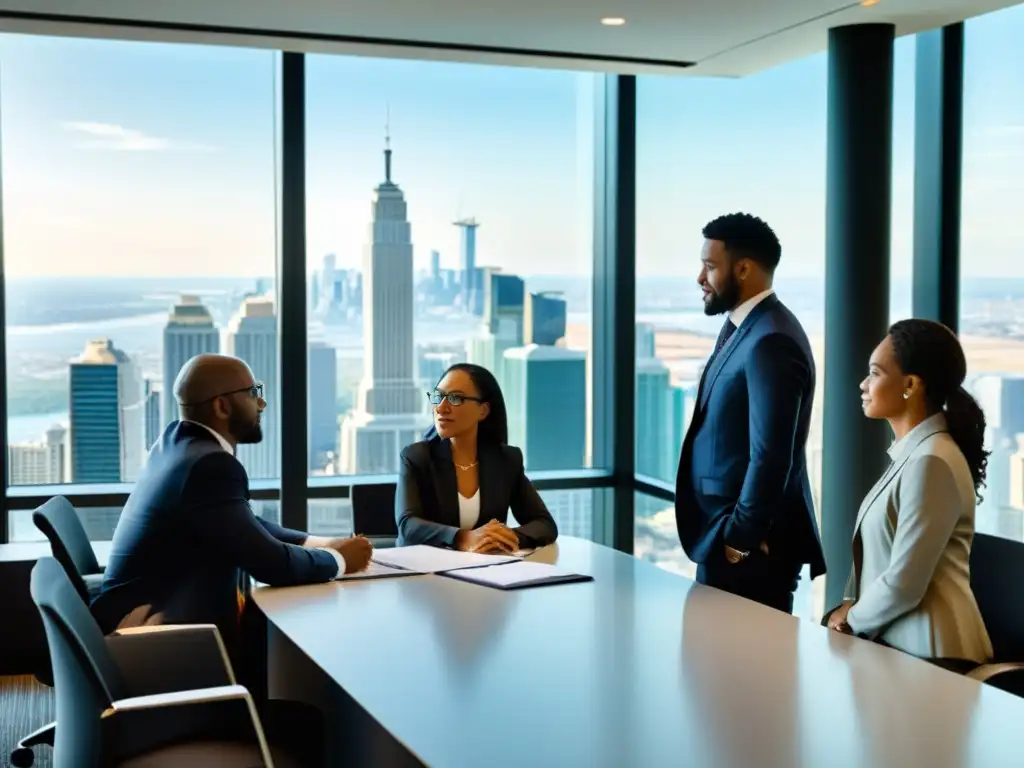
[123, 158]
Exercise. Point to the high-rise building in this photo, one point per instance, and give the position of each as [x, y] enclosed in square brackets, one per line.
[39, 463]
[470, 277]
[502, 325]
[653, 444]
[433, 362]
[323, 403]
[645, 346]
[252, 336]
[546, 397]
[189, 332]
[544, 318]
[107, 416]
[391, 409]
[154, 424]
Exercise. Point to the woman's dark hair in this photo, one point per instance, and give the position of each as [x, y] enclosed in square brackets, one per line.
[932, 352]
[493, 430]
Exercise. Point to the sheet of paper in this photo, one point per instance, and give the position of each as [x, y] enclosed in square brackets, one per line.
[521, 572]
[424, 559]
[377, 571]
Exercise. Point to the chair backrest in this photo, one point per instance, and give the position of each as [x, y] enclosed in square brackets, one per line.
[86, 679]
[373, 509]
[59, 522]
[997, 572]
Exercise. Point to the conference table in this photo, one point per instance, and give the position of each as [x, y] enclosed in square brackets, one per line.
[639, 667]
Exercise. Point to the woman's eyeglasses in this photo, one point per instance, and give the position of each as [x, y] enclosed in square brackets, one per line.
[453, 399]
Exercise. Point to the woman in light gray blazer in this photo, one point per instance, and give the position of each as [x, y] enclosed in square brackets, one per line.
[910, 584]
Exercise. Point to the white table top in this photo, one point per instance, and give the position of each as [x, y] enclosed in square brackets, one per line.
[640, 667]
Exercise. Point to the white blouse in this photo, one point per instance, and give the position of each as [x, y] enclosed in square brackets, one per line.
[469, 511]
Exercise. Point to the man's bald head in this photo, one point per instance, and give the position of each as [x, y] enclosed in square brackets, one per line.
[217, 390]
[204, 377]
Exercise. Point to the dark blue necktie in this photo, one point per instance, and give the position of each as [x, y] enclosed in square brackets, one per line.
[723, 336]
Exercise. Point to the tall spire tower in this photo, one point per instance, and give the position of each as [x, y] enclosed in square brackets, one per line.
[391, 410]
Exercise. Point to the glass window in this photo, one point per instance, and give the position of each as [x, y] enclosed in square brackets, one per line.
[449, 215]
[992, 272]
[139, 229]
[901, 288]
[706, 147]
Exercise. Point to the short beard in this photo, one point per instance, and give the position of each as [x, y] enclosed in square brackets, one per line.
[720, 303]
[244, 432]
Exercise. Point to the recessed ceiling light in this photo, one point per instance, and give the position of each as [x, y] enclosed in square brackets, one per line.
[869, 3]
[618, 21]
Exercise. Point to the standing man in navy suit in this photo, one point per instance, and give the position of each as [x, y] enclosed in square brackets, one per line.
[743, 499]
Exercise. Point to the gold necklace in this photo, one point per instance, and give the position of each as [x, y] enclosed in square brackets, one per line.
[465, 467]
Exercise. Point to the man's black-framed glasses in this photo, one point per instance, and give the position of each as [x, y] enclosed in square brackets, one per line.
[454, 400]
[255, 391]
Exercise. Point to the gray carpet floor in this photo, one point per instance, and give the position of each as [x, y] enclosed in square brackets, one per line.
[25, 705]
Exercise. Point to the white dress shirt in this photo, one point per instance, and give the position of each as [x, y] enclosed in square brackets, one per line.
[227, 447]
[469, 511]
[740, 313]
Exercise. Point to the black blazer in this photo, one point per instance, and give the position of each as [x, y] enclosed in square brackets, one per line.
[743, 470]
[427, 499]
[186, 535]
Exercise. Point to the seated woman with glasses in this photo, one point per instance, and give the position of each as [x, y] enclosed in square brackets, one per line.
[456, 486]
[910, 586]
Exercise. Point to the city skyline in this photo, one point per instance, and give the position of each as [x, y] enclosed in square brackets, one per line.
[88, 126]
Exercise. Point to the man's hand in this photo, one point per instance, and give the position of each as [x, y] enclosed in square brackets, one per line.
[355, 550]
[490, 538]
[837, 620]
[734, 555]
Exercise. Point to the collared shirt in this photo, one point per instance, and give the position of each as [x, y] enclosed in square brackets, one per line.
[934, 423]
[740, 313]
[227, 447]
[220, 438]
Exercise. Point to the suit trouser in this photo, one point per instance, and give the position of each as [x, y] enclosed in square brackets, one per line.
[765, 579]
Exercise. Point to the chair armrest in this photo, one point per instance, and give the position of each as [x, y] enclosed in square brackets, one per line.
[986, 672]
[165, 709]
[170, 657]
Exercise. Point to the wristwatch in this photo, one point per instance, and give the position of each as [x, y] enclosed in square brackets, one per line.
[734, 555]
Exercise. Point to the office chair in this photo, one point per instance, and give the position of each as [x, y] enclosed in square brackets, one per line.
[373, 512]
[156, 696]
[60, 523]
[997, 571]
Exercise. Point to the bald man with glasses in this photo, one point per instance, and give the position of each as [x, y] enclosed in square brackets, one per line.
[188, 537]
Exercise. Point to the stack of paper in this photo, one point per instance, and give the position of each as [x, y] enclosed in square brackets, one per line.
[377, 571]
[517, 575]
[425, 559]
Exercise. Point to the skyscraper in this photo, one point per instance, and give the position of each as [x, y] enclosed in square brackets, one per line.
[391, 410]
[107, 415]
[40, 463]
[654, 431]
[502, 326]
[252, 336]
[323, 402]
[469, 279]
[546, 398]
[544, 318]
[154, 424]
[189, 332]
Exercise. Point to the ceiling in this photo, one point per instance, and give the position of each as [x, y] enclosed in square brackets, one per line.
[716, 37]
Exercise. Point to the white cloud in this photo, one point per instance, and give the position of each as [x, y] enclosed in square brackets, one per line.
[118, 138]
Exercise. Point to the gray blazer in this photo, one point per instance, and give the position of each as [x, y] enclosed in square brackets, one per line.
[912, 548]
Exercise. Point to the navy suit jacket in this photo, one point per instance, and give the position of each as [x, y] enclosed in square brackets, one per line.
[186, 536]
[427, 498]
[742, 476]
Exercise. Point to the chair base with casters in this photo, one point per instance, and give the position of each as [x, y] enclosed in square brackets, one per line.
[22, 755]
